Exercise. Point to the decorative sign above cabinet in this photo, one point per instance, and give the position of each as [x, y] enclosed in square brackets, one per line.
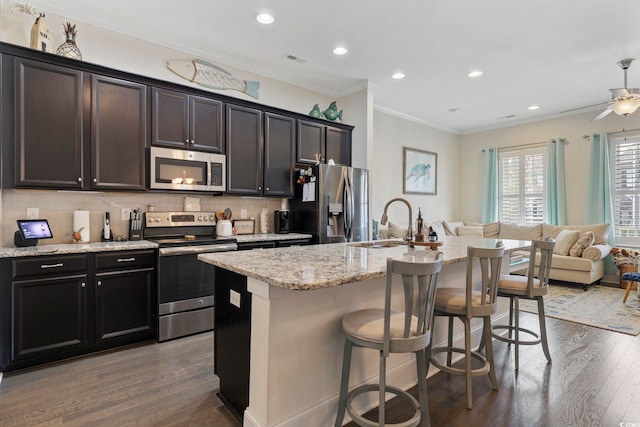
[208, 75]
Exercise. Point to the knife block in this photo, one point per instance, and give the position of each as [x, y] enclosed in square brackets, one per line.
[135, 230]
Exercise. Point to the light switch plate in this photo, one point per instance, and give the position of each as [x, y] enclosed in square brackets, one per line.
[33, 213]
[126, 214]
[234, 298]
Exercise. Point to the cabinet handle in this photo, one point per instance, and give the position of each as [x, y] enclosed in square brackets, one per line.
[193, 142]
[267, 188]
[126, 259]
[99, 283]
[187, 140]
[95, 180]
[52, 265]
[259, 188]
[79, 179]
[83, 284]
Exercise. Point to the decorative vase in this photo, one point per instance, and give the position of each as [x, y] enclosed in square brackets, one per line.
[69, 48]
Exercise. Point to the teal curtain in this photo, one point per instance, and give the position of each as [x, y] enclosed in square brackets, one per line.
[556, 202]
[599, 208]
[490, 186]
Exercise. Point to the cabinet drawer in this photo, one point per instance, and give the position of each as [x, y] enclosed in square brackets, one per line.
[125, 260]
[48, 265]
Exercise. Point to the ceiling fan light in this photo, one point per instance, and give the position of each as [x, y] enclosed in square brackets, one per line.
[624, 108]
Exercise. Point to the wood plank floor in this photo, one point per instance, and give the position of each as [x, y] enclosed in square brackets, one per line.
[594, 380]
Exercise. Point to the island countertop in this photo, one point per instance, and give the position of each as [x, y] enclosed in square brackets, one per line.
[321, 266]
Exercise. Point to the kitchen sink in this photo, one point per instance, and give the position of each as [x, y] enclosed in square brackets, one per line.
[379, 244]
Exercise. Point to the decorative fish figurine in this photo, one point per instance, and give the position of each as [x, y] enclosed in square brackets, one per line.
[419, 170]
[315, 112]
[331, 113]
[211, 76]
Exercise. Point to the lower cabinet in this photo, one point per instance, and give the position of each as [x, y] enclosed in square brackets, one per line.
[65, 306]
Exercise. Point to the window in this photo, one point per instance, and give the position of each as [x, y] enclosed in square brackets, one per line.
[625, 160]
[521, 185]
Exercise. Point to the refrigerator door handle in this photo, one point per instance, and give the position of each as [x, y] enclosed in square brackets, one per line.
[348, 206]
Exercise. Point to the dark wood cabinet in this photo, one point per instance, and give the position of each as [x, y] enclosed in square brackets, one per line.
[185, 121]
[49, 128]
[338, 145]
[245, 148]
[50, 310]
[118, 133]
[328, 142]
[125, 302]
[68, 305]
[279, 149]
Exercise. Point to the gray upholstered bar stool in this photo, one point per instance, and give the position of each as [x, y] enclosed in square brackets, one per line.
[476, 299]
[389, 331]
[533, 286]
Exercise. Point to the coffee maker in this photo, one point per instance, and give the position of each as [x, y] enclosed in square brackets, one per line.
[281, 221]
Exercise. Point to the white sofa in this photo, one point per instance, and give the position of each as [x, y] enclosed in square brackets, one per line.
[585, 266]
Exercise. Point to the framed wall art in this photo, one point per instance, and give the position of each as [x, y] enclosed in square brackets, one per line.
[420, 171]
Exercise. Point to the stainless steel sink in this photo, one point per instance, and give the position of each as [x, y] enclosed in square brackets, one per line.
[377, 245]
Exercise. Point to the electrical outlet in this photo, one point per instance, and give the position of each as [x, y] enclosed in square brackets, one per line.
[126, 214]
[33, 213]
[243, 213]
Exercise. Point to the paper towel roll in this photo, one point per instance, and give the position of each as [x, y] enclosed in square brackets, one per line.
[81, 221]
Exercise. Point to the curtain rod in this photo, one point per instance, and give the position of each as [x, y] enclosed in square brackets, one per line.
[530, 145]
[623, 131]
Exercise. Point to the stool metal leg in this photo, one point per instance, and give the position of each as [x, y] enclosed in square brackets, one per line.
[543, 329]
[467, 360]
[422, 363]
[489, 341]
[450, 340]
[516, 303]
[344, 382]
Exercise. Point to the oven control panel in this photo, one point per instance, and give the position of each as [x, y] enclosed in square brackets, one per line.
[178, 219]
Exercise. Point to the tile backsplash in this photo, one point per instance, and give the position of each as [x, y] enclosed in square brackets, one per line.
[58, 206]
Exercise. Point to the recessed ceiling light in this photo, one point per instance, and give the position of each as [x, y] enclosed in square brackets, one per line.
[453, 110]
[534, 107]
[340, 50]
[477, 73]
[264, 18]
[397, 76]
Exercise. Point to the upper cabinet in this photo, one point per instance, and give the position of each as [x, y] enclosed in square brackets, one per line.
[76, 130]
[245, 147]
[49, 131]
[185, 121]
[279, 149]
[118, 133]
[325, 141]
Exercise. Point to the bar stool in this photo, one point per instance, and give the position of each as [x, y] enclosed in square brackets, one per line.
[476, 299]
[533, 286]
[389, 331]
[632, 276]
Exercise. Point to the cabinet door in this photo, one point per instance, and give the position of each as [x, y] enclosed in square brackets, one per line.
[279, 148]
[118, 133]
[125, 304]
[49, 316]
[311, 137]
[49, 125]
[170, 123]
[338, 146]
[244, 150]
[206, 124]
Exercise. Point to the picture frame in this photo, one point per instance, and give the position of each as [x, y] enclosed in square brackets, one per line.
[419, 172]
[244, 226]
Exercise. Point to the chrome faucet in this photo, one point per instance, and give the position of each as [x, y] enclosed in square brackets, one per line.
[383, 220]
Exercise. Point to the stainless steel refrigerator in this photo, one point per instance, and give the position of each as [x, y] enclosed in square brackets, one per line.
[333, 204]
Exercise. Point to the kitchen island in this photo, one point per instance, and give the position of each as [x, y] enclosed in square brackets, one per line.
[298, 297]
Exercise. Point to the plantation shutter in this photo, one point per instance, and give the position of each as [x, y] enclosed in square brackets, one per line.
[522, 186]
[626, 186]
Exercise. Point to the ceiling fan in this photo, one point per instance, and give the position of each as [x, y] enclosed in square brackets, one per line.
[624, 101]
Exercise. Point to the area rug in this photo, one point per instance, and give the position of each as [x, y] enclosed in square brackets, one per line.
[599, 306]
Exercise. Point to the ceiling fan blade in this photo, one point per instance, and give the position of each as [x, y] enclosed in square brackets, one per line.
[619, 92]
[601, 115]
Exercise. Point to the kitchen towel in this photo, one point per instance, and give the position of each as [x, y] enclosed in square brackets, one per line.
[81, 224]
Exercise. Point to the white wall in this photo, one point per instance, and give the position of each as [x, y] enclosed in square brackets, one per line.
[573, 128]
[391, 134]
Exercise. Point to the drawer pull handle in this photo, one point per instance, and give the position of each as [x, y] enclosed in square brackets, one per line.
[52, 265]
[83, 284]
[126, 259]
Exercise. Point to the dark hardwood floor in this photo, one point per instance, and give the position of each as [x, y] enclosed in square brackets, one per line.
[594, 380]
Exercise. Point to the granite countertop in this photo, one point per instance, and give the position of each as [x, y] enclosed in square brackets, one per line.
[321, 266]
[76, 248]
[245, 238]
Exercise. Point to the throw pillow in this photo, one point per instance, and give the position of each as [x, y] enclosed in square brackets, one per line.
[451, 227]
[470, 230]
[396, 231]
[564, 240]
[438, 227]
[584, 241]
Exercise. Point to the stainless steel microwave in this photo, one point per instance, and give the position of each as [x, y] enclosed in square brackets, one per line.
[184, 170]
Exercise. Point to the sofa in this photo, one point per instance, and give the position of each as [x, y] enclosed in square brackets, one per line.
[578, 255]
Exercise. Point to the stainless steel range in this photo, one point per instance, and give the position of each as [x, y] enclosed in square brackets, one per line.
[185, 285]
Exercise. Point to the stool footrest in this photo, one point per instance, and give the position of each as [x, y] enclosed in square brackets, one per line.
[483, 370]
[502, 338]
[368, 388]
